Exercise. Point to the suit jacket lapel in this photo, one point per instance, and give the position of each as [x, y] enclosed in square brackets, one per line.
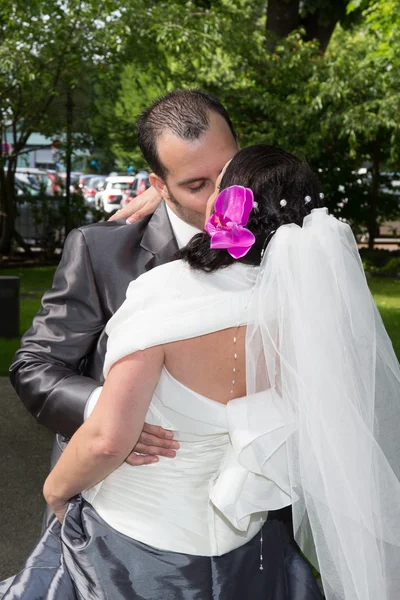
[159, 239]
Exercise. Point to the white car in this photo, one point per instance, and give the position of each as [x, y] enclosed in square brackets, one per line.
[109, 198]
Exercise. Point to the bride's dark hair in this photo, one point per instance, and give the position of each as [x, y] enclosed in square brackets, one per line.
[273, 175]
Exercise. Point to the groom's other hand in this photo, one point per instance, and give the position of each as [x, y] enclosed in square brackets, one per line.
[154, 441]
[139, 207]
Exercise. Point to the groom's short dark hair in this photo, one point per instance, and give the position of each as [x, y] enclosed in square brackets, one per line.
[185, 113]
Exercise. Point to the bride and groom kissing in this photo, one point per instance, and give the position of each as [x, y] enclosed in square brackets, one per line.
[236, 342]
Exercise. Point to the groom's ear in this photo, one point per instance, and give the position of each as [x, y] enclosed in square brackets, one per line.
[159, 185]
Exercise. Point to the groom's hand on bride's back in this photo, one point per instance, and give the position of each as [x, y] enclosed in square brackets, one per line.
[139, 207]
[154, 441]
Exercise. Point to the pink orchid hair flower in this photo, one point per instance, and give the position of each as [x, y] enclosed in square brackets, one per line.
[225, 226]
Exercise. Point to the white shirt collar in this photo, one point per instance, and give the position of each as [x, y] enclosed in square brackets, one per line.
[183, 232]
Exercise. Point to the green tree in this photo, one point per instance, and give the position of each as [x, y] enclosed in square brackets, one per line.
[338, 108]
[317, 19]
[267, 94]
[359, 107]
[46, 50]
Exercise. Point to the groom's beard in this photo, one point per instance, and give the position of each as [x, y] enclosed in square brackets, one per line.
[189, 216]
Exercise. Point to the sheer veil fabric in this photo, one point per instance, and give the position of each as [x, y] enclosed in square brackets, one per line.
[316, 338]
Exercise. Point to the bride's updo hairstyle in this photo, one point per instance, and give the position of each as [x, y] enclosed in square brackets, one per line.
[273, 175]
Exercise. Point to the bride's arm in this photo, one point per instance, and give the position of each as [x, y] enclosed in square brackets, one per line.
[104, 441]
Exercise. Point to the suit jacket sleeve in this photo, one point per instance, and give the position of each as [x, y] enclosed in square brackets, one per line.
[46, 371]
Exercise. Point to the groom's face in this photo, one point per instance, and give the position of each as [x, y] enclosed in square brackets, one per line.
[193, 167]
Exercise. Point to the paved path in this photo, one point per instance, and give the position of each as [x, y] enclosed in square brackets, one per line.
[24, 463]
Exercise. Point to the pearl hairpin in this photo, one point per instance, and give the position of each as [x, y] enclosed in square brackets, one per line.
[283, 203]
[322, 196]
[307, 199]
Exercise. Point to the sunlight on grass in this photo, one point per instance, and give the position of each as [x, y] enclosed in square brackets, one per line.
[33, 283]
[386, 294]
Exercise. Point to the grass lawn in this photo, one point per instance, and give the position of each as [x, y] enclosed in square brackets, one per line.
[386, 293]
[35, 280]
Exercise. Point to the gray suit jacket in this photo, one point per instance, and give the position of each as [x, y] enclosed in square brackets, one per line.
[61, 358]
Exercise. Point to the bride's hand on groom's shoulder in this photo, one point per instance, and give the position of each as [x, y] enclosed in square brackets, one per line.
[154, 441]
[139, 207]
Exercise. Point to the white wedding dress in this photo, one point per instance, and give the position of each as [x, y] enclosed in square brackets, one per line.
[216, 494]
[194, 527]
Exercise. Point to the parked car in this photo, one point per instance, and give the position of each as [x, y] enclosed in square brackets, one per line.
[27, 189]
[110, 198]
[55, 184]
[140, 184]
[34, 177]
[75, 175]
[91, 187]
[84, 180]
[31, 182]
[25, 186]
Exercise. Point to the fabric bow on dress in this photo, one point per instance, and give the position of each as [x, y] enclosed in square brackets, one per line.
[254, 477]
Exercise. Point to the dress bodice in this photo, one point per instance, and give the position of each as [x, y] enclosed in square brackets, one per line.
[215, 494]
[231, 466]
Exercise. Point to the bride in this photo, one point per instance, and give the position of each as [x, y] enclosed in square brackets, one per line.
[261, 347]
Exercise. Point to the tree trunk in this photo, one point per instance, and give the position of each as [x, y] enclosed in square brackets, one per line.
[373, 227]
[68, 159]
[7, 207]
[283, 17]
[316, 31]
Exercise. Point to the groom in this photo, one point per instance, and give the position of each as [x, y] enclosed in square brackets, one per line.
[186, 137]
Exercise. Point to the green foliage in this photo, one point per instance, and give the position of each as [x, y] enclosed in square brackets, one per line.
[183, 45]
[381, 261]
[46, 46]
[126, 110]
[360, 93]
[336, 109]
[359, 105]
[386, 294]
[333, 109]
[354, 5]
[49, 50]
[393, 266]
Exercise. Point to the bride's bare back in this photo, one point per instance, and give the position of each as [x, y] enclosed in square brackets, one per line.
[205, 364]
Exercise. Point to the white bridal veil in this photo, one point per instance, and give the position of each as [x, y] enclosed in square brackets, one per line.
[316, 337]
